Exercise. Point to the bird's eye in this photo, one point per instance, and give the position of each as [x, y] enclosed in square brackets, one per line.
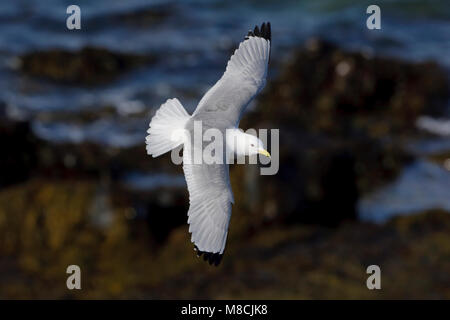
[252, 145]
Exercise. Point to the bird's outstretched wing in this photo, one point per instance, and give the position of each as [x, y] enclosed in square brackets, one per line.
[210, 199]
[244, 77]
[210, 195]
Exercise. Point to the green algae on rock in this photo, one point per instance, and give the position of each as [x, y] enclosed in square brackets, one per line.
[54, 228]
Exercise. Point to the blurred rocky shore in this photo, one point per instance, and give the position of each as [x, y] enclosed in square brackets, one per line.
[345, 119]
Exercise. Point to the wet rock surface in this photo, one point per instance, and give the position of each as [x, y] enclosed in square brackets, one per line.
[344, 119]
[326, 90]
[89, 66]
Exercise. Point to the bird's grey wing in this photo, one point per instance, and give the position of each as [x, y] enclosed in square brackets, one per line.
[244, 77]
[210, 199]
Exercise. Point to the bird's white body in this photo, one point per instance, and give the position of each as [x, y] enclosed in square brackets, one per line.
[221, 108]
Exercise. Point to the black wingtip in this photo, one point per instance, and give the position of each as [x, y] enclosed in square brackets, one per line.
[211, 258]
[263, 32]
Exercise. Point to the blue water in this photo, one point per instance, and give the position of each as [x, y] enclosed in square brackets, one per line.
[193, 42]
[194, 39]
[421, 186]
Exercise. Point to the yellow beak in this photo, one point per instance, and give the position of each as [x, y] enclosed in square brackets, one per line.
[264, 152]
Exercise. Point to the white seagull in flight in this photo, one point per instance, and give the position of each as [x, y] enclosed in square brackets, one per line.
[210, 195]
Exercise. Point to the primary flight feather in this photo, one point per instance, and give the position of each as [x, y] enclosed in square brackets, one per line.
[221, 108]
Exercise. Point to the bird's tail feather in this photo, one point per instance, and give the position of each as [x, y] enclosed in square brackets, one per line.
[166, 127]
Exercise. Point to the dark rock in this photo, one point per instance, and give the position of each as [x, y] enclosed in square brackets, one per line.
[343, 118]
[19, 152]
[89, 66]
[145, 17]
[326, 90]
[87, 115]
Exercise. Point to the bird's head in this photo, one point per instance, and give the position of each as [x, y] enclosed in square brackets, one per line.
[249, 145]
